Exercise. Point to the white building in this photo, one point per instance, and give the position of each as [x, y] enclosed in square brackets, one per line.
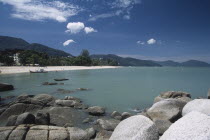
[16, 59]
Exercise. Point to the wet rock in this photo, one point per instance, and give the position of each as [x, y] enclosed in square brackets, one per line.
[48, 83]
[64, 91]
[45, 99]
[25, 118]
[5, 87]
[96, 110]
[116, 115]
[162, 125]
[11, 120]
[42, 118]
[125, 115]
[91, 132]
[200, 105]
[6, 98]
[136, 128]
[108, 125]
[193, 126]
[174, 95]
[87, 120]
[168, 109]
[67, 103]
[83, 89]
[62, 79]
[72, 98]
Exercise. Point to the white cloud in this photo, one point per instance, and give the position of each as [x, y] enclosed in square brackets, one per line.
[106, 15]
[75, 27]
[126, 17]
[140, 42]
[125, 3]
[40, 10]
[151, 41]
[66, 43]
[89, 30]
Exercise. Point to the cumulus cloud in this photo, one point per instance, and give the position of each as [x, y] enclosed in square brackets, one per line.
[125, 3]
[151, 41]
[40, 10]
[76, 27]
[89, 30]
[66, 43]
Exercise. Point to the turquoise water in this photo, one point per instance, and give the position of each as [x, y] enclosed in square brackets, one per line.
[119, 89]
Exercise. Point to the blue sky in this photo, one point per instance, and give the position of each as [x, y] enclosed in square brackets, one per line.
[146, 29]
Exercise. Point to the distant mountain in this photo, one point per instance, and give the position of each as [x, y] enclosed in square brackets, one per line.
[11, 43]
[126, 61]
[190, 63]
[195, 63]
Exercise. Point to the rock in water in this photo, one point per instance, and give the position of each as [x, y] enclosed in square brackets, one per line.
[62, 79]
[168, 109]
[96, 110]
[193, 126]
[173, 94]
[6, 87]
[25, 118]
[136, 128]
[200, 105]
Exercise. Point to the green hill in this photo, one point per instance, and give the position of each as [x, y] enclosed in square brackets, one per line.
[126, 61]
[12, 43]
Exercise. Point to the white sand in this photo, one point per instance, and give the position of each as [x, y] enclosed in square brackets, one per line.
[25, 69]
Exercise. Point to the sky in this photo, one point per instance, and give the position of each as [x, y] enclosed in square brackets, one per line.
[146, 29]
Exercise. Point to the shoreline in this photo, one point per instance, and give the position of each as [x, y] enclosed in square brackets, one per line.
[26, 69]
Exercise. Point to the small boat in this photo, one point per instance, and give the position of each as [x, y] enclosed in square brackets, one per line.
[39, 71]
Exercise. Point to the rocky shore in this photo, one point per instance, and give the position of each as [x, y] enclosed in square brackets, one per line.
[173, 116]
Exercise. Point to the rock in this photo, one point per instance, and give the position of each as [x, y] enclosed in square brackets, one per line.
[6, 98]
[168, 109]
[87, 120]
[77, 134]
[48, 83]
[12, 120]
[136, 128]
[42, 118]
[193, 126]
[45, 99]
[208, 94]
[103, 135]
[62, 115]
[108, 125]
[25, 118]
[116, 115]
[64, 91]
[125, 115]
[36, 134]
[96, 110]
[59, 134]
[200, 105]
[173, 94]
[91, 132]
[72, 98]
[6, 87]
[62, 79]
[83, 89]
[67, 103]
[162, 125]
[19, 133]
[5, 132]
[68, 125]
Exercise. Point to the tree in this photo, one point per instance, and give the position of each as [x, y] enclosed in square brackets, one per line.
[85, 53]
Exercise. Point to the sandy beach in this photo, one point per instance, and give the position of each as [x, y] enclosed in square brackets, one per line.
[25, 69]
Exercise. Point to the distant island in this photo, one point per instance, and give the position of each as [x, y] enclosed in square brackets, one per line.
[16, 51]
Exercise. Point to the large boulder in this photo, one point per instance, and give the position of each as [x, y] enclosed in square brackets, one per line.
[11, 120]
[200, 105]
[173, 94]
[162, 125]
[103, 135]
[108, 125]
[5, 132]
[19, 133]
[193, 126]
[136, 128]
[168, 109]
[5, 87]
[67, 103]
[42, 118]
[116, 115]
[96, 110]
[78, 134]
[45, 99]
[25, 118]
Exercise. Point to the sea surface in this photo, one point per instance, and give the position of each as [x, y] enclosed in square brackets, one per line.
[121, 89]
